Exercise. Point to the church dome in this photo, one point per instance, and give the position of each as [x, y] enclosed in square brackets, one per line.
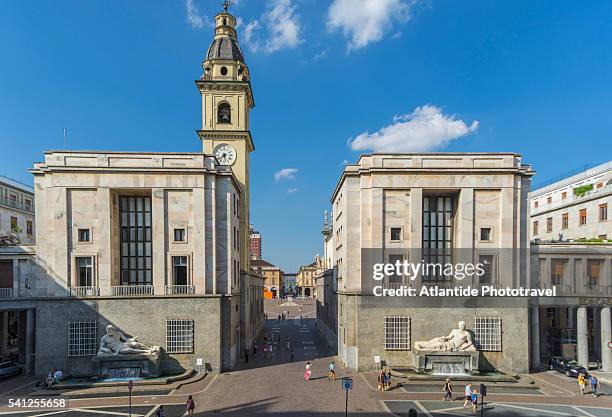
[225, 47]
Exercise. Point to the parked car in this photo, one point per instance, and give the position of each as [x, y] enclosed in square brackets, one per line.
[9, 368]
[569, 367]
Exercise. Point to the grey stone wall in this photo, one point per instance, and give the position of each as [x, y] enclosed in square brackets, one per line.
[142, 317]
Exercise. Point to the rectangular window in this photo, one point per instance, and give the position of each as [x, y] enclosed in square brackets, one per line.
[485, 234]
[394, 280]
[564, 221]
[535, 204]
[179, 336]
[583, 217]
[83, 235]
[82, 338]
[488, 332]
[600, 185]
[549, 225]
[179, 270]
[603, 237]
[28, 204]
[593, 272]
[563, 195]
[557, 271]
[29, 228]
[487, 266]
[136, 249]
[179, 235]
[548, 200]
[438, 213]
[14, 225]
[396, 233]
[397, 333]
[603, 212]
[84, 271]
[535, 228]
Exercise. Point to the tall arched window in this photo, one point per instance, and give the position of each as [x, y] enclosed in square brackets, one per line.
[224, 114]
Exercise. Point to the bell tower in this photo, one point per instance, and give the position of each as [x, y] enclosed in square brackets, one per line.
[227, 100]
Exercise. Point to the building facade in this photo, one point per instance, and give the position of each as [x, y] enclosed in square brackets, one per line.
[127, 238]
[16, 210]
[273, 277]
[305, 278]
[254, 243]
[574, 208]
[390, 207]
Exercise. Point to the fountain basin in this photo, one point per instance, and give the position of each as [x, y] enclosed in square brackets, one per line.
[460, 363]
[130, 366]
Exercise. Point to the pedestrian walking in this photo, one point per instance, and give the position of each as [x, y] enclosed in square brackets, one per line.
[448, 390]
[308, 372]
[332, 371]
[381, 380]
[288, 345]
[254, 349]
[468, 395]
[160, 412]
[292, 354]
[246, 355]
[474, 400]
[190, 405]
[581, 383]
[594, 385]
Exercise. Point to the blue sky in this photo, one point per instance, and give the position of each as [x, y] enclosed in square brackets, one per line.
[331, 80]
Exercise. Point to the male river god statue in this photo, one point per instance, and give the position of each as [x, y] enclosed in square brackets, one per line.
[114, 343]
[458, 340]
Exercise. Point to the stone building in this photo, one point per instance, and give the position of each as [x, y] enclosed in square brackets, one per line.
[254, 243]
[16, 210]
[273, 277]
[573, 208]
[390, 207]
[128, 238]
[305, 280]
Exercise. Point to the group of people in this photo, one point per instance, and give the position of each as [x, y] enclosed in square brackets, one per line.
[592, 380]
[384, 380]
[332, 371]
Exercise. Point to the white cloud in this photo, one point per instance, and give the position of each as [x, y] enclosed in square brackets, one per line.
[320, 55]
[425, 129]
[285, 173]
[193, 15]
[277, 28]
[292, 190]
[366, 21]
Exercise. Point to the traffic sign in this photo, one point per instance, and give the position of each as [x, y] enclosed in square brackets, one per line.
[347, 383]
[609, 345]
[130, 385]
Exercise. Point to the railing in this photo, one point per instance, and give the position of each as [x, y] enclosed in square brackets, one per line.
[7, 202]
[84, 291]
[121, 290]
[597, 290]
[6, 293]
[179, 289]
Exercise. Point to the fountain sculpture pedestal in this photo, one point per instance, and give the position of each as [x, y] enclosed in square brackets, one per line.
[129, 365]
[446, 362]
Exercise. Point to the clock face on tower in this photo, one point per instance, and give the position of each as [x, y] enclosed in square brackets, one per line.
[225, 154]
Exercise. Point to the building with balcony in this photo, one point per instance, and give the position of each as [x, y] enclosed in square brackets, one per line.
[133, 238]
[573, 208]
[17, 210]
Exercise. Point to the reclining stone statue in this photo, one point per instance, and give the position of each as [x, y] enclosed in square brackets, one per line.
[458, 340]
[114, 343]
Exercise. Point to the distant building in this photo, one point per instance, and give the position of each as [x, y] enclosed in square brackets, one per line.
[305, 285]
[273, 277]
[17, 210]
[254, 243]
[573, 208]
[289, 284]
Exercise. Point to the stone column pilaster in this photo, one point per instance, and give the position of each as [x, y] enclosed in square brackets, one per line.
[606, 336]
[30, 342]
[582, 337]
[534, 321]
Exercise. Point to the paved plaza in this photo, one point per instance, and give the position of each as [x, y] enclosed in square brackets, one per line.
[274, 386]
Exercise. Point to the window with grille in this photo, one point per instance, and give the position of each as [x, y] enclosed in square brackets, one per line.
[438, 215]
[488, 333]
[82, 338]
[179, 336]
[397, 333]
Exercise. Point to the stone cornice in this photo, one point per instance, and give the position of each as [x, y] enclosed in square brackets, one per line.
[217, 85]
[229, 135]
